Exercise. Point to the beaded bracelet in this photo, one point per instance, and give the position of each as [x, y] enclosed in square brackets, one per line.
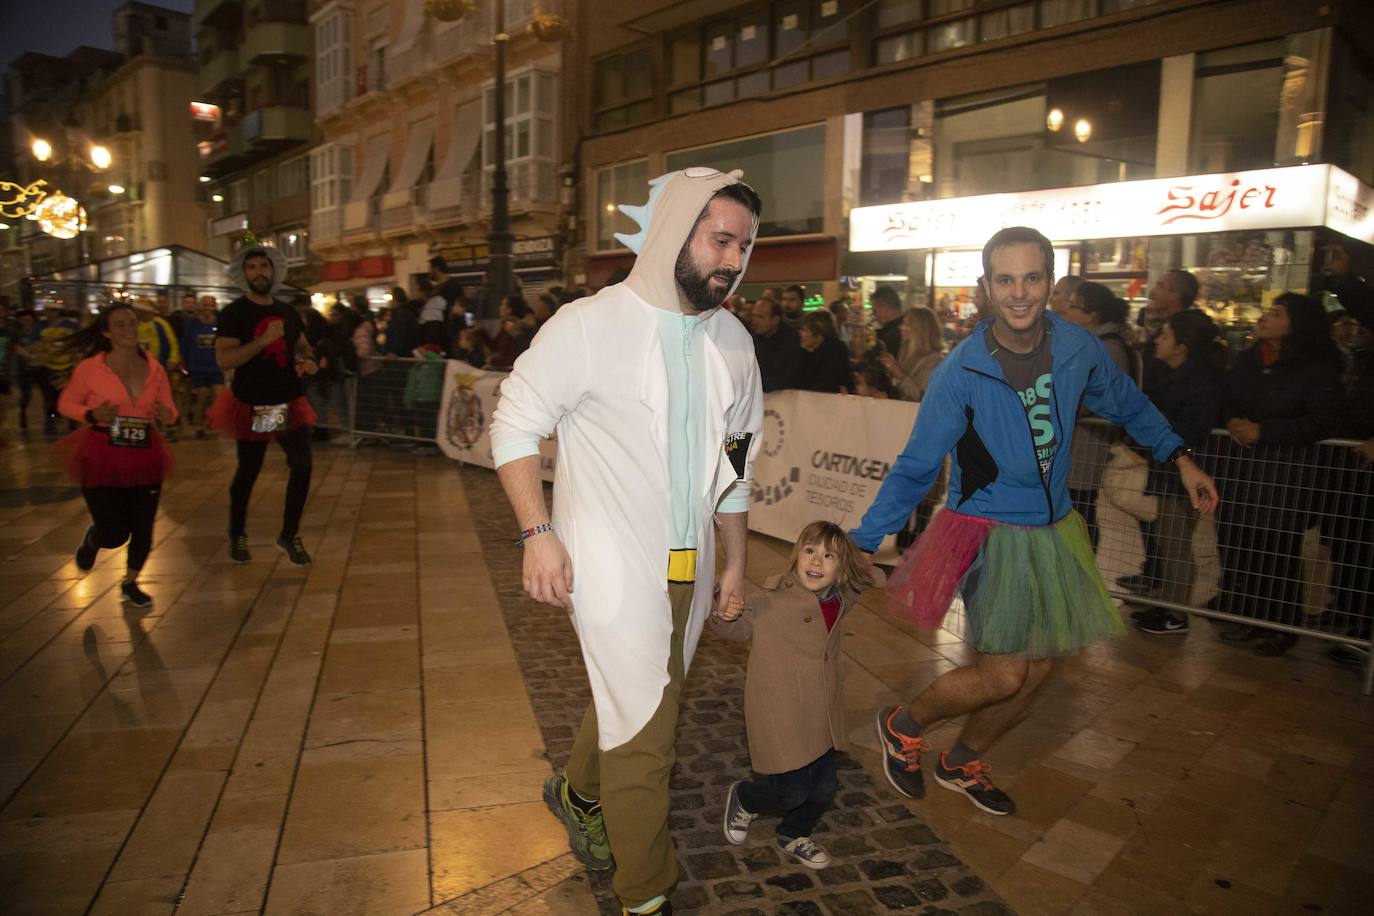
[531, 532]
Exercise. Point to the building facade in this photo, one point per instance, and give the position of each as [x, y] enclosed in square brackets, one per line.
[830, 106]
[403, 170]
[253, 125]
[132, 102]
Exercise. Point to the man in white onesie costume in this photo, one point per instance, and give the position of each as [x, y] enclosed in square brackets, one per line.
[654, 393]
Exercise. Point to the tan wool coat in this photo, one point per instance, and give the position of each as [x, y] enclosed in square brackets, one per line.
[794, 692]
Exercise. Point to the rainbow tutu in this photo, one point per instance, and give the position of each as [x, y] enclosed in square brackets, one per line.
[1026, 591]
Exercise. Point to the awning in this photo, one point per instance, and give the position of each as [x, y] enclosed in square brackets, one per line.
[374, 165]
[410, 28]
[465, 133]
[419, 139]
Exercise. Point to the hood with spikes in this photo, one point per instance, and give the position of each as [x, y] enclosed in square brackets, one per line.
[665, 221]
[251, 246]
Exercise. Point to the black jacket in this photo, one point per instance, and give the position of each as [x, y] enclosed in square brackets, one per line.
[1297, 403]
[403, 331]
[779, 358]
[826, 368]
[1357, 297]
[1190, 399]
[890, 336]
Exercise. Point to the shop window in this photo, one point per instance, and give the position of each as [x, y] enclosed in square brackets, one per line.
[624, 89]
[1235, 115]
[626, 183]
[787, 170]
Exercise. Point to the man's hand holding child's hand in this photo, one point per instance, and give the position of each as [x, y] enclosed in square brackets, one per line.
[731, 610]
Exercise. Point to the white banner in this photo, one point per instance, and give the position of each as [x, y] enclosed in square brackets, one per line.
[1283, 198]
[823, 455]
[463, 431]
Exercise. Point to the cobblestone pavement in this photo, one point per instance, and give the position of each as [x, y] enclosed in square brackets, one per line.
[885, 857]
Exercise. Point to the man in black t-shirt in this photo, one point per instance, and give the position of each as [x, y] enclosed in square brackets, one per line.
[261, 341]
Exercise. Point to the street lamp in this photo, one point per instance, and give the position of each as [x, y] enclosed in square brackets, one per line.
[100, 157]
[42, 150]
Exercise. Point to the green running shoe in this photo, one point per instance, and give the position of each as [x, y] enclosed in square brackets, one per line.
[586, 831]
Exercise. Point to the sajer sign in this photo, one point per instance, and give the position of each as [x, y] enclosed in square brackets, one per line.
[1287, 198]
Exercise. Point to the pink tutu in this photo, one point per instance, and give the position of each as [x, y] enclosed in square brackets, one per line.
[924, 582]
[92, 461]
[234, 418]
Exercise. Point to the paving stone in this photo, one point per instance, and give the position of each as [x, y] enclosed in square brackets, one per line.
[931, 889]
[985, 908]
[792, 882]
[851, 903]
[707, 865]
[880, 869]
[867, 824]
[897, 897]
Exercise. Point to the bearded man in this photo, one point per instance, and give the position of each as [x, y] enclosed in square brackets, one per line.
[654, 392]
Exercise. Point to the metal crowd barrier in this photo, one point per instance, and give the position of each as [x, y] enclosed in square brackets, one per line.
[1291, 548]
[385, 399]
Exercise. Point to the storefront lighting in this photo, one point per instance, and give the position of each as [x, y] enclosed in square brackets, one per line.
[42, 150]
[116, 189]
[205, 179]
[100, 157]
[1055, 119]
[217, 198]
[1082, 130]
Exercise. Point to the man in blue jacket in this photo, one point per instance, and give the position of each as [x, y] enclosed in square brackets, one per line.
[1003, 404]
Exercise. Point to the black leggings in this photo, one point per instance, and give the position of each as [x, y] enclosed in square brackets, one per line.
[296, 445]
[123, 514]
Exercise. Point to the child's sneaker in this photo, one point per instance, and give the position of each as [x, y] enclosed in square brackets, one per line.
[901, 755]
[586, 829]
[737, 819]
[659, 906]
[805, 852]
[972, 780]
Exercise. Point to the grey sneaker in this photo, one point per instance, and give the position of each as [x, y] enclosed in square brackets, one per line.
[805, 851]
[586, 830]
[737, 819]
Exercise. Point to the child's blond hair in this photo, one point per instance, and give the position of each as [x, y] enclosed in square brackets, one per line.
[851, 572]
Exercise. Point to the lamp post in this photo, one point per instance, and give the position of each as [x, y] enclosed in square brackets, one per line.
[499, 268]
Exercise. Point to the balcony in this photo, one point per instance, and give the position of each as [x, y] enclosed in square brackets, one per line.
[326, 226]
[224, 150]
[213, 75]
[277, 125]
[449, 201]
[276, 39]
[398, 211]
[361, 219]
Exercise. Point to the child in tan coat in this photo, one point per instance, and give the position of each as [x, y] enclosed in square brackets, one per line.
[794, 693]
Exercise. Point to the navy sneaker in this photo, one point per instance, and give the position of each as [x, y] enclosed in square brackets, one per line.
[901, 755]
[737, 817]
[972, 780]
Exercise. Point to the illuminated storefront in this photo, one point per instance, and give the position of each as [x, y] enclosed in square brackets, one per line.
[1248, 236]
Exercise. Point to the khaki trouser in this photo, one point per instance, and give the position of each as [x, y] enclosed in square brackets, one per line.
[632, 780]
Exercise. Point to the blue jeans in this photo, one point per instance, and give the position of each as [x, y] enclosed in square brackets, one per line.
[800, 797]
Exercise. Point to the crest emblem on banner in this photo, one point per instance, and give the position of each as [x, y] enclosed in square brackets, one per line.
[466, 420]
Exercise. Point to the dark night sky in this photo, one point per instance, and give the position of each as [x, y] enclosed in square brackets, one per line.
[57, 26]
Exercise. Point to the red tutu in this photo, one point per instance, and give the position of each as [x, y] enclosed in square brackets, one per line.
[924, 582]
[234, 418]
[92, 461]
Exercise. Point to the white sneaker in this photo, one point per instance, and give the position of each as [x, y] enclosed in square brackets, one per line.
[737, 819]
[805, 852]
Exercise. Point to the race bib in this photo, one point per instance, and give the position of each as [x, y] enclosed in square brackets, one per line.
[269, 418]
[131, 432]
